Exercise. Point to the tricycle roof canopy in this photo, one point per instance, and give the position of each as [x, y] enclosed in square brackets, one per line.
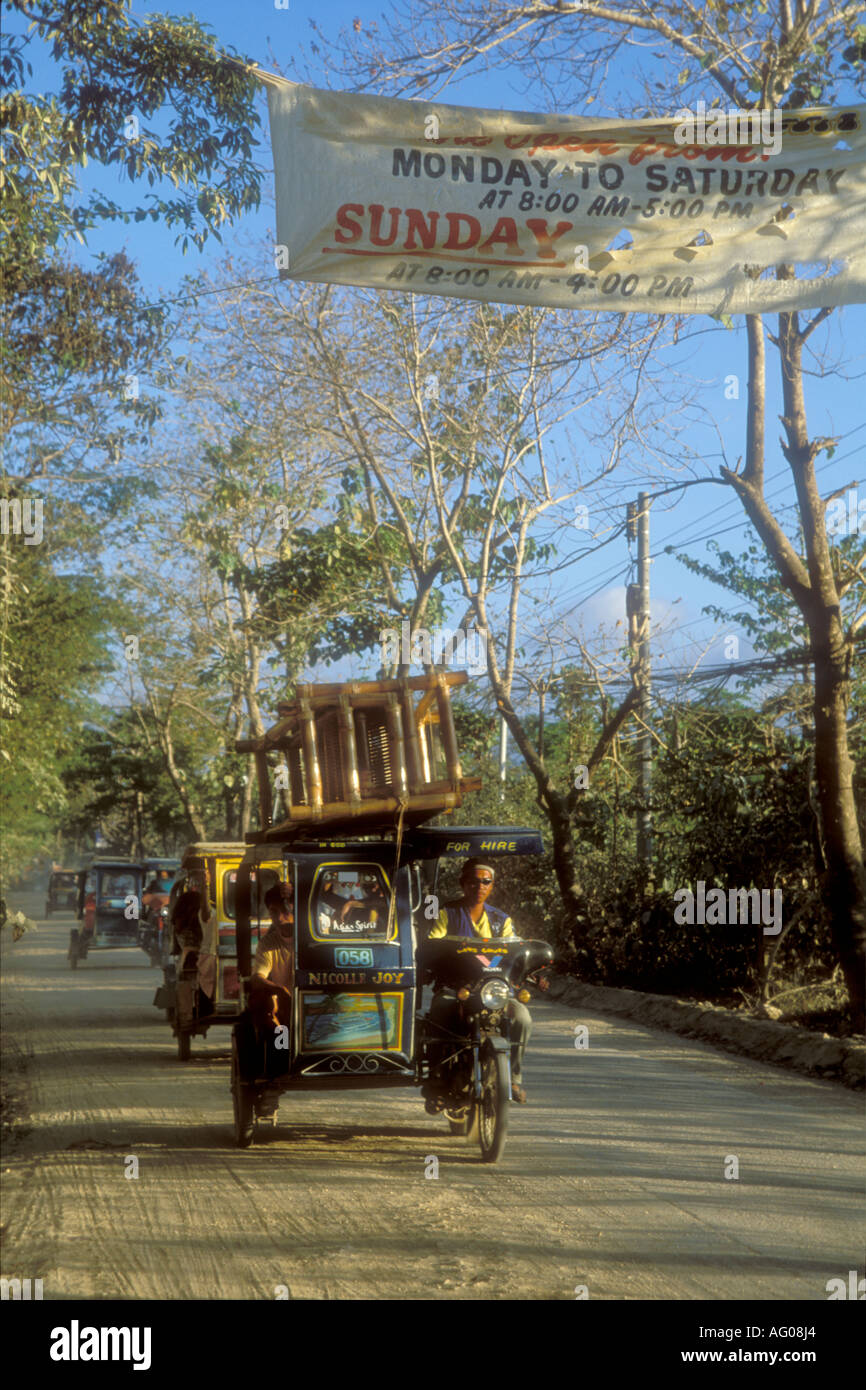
[363, 753]
[471, 841]
[421, 842]
[108, 861]
[203, 848]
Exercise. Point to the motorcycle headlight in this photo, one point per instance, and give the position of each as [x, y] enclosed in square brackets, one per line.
[494, 994]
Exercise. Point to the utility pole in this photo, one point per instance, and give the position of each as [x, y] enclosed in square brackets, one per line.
[639, 637]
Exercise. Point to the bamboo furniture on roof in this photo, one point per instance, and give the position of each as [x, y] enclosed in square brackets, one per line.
[360, 752]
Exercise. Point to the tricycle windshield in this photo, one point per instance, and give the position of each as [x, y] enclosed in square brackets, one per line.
[117, 884]
[260, 881]
[349, 903]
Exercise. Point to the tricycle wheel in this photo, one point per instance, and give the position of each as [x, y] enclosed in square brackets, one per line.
[243, 1098]
[184, 1046]
[492, 1110]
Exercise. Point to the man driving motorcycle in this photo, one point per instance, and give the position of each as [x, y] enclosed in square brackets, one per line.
[472, 915]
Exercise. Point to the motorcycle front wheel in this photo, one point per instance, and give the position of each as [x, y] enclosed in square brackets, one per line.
[491, 1112]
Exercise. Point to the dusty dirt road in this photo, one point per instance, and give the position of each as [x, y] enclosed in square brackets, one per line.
[613, 1177]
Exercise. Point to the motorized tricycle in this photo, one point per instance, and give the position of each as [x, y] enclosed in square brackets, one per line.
[62, 894]
[109, 902]
[199, 954]
[362, 908]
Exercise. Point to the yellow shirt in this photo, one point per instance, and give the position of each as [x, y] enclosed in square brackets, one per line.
[275, 959]
[482, 926]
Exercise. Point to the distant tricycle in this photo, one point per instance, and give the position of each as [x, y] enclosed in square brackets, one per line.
[109, 901]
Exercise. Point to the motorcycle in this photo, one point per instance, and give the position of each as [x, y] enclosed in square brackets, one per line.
[468, 1066]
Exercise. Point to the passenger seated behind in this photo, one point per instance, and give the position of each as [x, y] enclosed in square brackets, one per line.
[341, 911]
[273, 971]
[271, 984]
[191, 922]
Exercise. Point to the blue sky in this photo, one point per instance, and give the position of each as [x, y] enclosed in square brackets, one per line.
[260, 29]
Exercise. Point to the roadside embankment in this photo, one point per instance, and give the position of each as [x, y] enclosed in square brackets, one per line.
[782, 1044]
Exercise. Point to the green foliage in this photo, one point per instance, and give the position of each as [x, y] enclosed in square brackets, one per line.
[476, 733]
[75, 345]
[76, 340]
[772, 619]
[115, 68]
[116, 780]
[321, 604]
[56, 655]
[159, 100]
[732, 807]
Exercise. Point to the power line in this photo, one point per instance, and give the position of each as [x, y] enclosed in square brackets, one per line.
[620, 570]
[782, 472]
[781, 661]
[710, 535]
[191, 299]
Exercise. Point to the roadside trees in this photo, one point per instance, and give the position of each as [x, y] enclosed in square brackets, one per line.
[790, 54]
[451, 415]
[158, 100]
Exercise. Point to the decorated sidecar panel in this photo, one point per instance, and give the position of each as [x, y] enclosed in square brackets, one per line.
[352, 1022]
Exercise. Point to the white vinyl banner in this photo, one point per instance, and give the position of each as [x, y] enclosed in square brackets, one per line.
[686, 215]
